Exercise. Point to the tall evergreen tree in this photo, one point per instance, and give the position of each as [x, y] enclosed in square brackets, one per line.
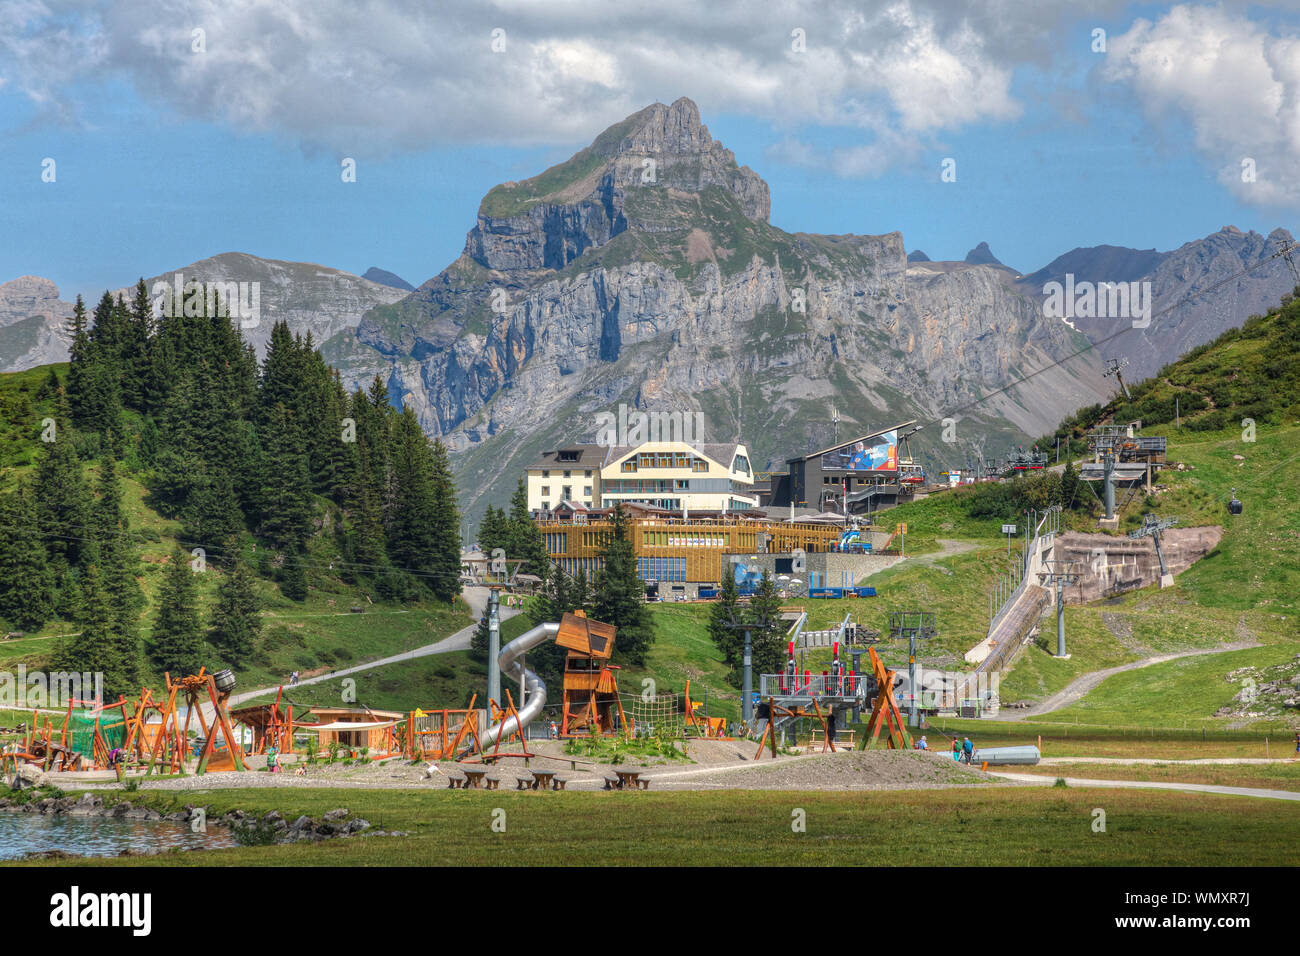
[620, 594]
[94, 648]
[27, 592]
[287, 505]
[119, 572]
[724, 612]
[176, 644]
[444, 562]
[768, 634]
[235, 621]
[525, 539]
[61, 496]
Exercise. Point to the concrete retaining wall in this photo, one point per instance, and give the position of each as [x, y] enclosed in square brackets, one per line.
[1112, 565]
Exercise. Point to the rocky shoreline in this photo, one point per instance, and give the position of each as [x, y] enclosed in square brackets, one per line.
[249, 829]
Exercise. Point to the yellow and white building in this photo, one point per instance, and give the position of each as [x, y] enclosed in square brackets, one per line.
[694, 476]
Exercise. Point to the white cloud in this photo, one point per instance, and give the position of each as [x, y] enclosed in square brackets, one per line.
[1237, 85]
[402, 73]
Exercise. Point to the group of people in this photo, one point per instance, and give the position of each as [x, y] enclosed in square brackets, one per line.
[962, 750]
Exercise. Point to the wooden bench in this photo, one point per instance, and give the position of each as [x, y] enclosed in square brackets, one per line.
[543, 779]
[455, 782]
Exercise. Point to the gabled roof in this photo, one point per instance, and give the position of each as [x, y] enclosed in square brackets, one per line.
[588, 456]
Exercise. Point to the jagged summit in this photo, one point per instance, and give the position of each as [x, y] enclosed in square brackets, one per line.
[982, 255]
[637, 174]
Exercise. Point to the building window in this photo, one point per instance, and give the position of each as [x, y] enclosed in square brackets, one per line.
[546, 490]
[546, 473]
[566, 473]
[587, 491]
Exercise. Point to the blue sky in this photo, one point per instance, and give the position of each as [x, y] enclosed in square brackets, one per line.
[161, 162]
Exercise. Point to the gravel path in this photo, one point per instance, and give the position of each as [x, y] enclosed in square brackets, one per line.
[1045, 781]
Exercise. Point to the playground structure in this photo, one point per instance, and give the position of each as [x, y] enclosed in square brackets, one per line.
[148, 734]
[705, 726]
[591, 699]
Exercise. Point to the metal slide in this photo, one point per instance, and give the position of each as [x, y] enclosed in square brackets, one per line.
[534, 688]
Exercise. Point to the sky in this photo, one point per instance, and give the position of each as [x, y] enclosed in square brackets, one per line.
[181, 129]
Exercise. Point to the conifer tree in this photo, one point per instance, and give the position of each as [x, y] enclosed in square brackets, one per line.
[768, 634]
[444, 562]
[722, 613]
[61, 495]
[293, 576]
[620, 594]
[235, 621]
[94, 648]
[27, 592]
[119, 570]
[287, 503]
[525, 538]
[176, 644]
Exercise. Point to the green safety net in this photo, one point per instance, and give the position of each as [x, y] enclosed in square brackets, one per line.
[81, 731]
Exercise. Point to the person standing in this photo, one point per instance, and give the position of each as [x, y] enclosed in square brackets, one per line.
[956, 750]
[967, 749]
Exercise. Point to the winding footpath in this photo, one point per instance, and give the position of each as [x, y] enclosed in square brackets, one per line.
[1077, 688]
[1045, 781]
[459, 641]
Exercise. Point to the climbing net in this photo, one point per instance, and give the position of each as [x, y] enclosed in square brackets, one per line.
[658, 715]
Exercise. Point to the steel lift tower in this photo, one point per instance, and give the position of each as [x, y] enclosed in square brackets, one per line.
[1154, 527]
[1060, 574]
[1114, 367]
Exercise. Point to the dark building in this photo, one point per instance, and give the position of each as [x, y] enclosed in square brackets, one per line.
[868, 469]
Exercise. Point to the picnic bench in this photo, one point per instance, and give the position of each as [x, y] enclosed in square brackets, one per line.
[627, 780]
[473, 780]
[541, 780]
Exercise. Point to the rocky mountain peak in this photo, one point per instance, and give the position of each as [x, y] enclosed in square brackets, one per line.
[632, 176]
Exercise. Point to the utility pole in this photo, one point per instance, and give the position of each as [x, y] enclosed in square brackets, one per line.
[494, 645]
[1061, 574]
[1153, 528]
[914, 625]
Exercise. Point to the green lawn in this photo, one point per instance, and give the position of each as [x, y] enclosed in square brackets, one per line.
[965, 826]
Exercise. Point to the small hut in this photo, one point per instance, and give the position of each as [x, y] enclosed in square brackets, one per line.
[353, 727]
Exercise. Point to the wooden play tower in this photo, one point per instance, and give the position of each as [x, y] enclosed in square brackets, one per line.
[591, 702]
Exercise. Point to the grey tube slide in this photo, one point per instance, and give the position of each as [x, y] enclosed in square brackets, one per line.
[535, 689]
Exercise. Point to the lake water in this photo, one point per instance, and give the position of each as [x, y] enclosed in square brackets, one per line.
[23, 833]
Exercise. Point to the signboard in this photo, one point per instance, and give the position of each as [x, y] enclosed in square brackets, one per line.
[1008, 529]
[880, 455]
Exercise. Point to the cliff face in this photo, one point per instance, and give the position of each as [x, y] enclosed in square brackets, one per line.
[33, 324]
[644, 270]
